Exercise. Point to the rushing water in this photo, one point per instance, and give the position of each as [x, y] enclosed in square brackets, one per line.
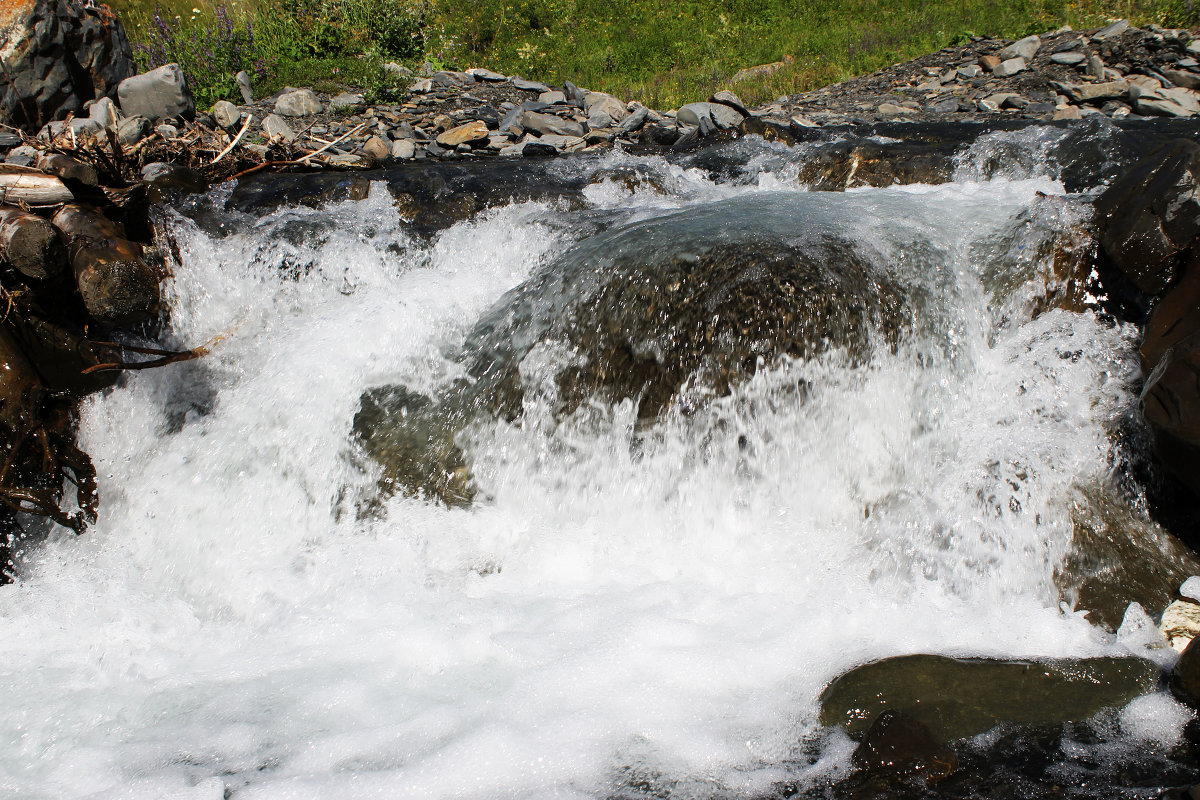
[627, 608]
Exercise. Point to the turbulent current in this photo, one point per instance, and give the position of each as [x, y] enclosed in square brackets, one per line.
[630, 605]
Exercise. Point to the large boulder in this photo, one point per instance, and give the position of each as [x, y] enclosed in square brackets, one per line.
[662, 313]
[1151, 214]
[161, 93]
[58, 55]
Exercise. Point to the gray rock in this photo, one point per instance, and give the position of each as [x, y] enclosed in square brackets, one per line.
[448, 78]
[132, 130]
[346, 100]
[105, 112]
[599, 120]
[226, 114]
[1085, 92]
[1095, 67]
[894, 110]
[602, 103]
[1112, 29]
[161, 93]
[1165, 102]
[949, 76]
[1024, 48]
[549, 124]
[728, 98]
[404, 149]
[634, 121]
[970, 71]
[946, 105]
[564, 144]
[23, 156]
[552, 97]
[987, 104]
[396, 70]
[486, 75]
[276, 129]
[1010, 67]
[722, 115]
[529, 86]
[1039, 109]
[421, 86]
[167, 131]
[1070, 58]
[298, 103]
[243, 82]
[346, 160]
[575, 95]
[538, 149]
[57, 54]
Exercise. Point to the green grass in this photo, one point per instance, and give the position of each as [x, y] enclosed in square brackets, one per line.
[662, 52]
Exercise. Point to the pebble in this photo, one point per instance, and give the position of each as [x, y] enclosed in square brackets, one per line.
[1010, 67]
[1069, 58]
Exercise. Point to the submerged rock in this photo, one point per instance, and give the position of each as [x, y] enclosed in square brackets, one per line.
[664, 312]
[961, 697]
[900, 746]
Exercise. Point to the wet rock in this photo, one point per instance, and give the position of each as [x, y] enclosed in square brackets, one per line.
[1170, 403]
[161, 93]
[38, 84]
[298, 103]
[1151, 213]
[901, 746]
[847, 164]
[1185, 676]
[961, 697]
[1180, 623]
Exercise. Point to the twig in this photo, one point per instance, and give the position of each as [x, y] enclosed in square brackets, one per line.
[348, 133]
[238, 138]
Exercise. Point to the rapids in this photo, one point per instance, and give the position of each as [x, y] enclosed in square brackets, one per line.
[628, 608]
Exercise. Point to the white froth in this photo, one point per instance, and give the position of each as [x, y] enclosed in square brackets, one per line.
[622, 609]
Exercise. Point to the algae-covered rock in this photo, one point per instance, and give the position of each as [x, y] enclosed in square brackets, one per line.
[961, 697]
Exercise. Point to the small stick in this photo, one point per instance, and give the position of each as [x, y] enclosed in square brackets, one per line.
[238, 138]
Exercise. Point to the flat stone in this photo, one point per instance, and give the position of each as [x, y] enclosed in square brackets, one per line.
[970, 71]
[449, 78]
[480, 74]
[346, 100]
[404, 149]
[1112, 29]
[635, 120]
[226, 114]
[548, 123]
[1183, 78]
[552, 97]
[1085, 92]
[470, 133]
[1010, 67]
[276, 129]
[947, 105]
[962, 697]
[161, 93]
[564, 144]
[599, 121]
[948, 76]
[346, 160]
[421, 86]
[1070, 58]
[528, 86]
[1069, 112]
[1023, 48]
[1166, 102]
[893, 110]
[298, 103]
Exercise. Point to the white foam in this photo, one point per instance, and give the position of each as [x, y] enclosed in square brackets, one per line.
[618, 612]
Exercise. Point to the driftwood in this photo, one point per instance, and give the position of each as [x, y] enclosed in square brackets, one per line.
[32, 188]
[117, 286]
[31, 244]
